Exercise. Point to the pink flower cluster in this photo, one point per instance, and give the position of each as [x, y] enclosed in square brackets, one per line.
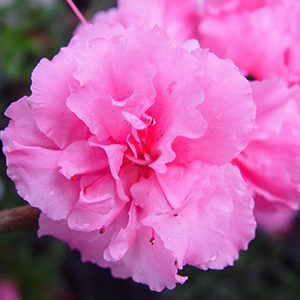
[133, 140]
[264, 43]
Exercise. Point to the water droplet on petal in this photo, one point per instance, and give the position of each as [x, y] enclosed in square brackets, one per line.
[213, 258]
[240, 193]
[52, 193]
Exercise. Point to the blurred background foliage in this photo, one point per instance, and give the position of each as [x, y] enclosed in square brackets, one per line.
[45, 268]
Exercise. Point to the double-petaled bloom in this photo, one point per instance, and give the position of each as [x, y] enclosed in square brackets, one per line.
[125, 145]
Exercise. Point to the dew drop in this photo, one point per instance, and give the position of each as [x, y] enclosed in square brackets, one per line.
[240, 193]
[169, 239]
[213, 258]
[52, 193]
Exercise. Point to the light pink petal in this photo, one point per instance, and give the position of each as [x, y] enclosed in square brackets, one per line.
[250, 39]
[124, 240]
[271, 162]
[228, 109]
[80, 158]
[218, 7]
[148, 195]
[269, 166]
[152, 264]
[115, 154]
[274, 220]
[179, 19]
[142, 261]
[51, 85]
[271, 98]
[90, 244]
[98, 206]
[176, 85]
[22, 128]
[35, 173]
[121, 89]
[216, 222]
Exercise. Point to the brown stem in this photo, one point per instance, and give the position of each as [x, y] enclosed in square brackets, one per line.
[19, 219]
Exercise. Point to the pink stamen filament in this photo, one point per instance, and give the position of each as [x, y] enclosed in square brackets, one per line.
[139, 161]
[77, 12]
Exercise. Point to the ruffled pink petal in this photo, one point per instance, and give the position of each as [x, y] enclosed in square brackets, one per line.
[259, 54]
[51, 85]
[271, 162]
[81, 158]
[22, 128]
[124, 240]
[142, 261]
[229, 111]
[177, 18]
[148, 195]
[273, 219]
[98, 205]
[35, 173]
[105, 94]
[115, 154]
[218, 7]
[90, 244]
[271, 98]
[216, 222]
[152, 263]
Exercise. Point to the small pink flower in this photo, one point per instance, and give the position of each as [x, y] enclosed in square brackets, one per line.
[263, 42]
[271, 162]
[125, 145]
[8, 290]
[179, 19]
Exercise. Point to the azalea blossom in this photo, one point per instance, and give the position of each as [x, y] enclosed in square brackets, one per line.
[271, 162]
[263, 42]
[125, 145]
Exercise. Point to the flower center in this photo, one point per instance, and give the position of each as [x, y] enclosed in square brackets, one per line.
[139, 145]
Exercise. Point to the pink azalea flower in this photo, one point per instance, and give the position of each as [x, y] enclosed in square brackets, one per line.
[125, 145]
[263, 42]
[8, 290]
[271, 162]
[179, 19]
